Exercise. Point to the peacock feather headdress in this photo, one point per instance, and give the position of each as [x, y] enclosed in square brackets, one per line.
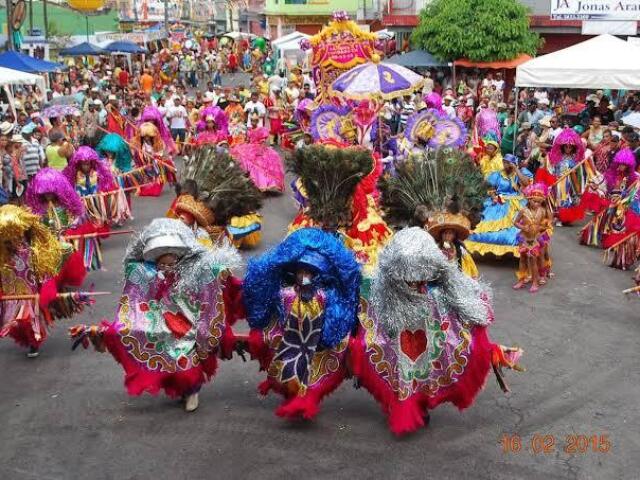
[446, 180]
[222, 185]
[329, 176]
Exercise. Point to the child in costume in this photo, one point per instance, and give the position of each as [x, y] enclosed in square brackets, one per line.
[32, 266]
[88, 174]
[440, 192]
[175, 315]
[115, 150]
[422, 337]
[150, 151]
[212, 127]
[534, 221]
[261, 162]
[62, 210]
[496, 233]
[219, 185]
[301, 300]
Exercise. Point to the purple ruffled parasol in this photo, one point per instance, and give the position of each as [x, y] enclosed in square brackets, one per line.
[377, 79]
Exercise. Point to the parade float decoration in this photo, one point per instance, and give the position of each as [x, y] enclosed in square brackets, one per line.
[338, 47]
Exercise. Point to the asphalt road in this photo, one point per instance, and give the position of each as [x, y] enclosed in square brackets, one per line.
[66, 415]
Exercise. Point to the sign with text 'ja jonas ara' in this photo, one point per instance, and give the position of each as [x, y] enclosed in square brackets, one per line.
[595, 9]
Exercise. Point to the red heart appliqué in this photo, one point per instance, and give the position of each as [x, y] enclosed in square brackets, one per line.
[413, 344]
[177, 323]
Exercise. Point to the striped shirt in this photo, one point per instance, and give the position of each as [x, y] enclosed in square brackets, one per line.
[32, 158]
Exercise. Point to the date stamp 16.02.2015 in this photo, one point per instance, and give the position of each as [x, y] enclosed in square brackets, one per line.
[546, 444]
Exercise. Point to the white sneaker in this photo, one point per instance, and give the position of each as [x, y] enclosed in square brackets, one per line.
[191, 402]
[33, 353]
[558, 223]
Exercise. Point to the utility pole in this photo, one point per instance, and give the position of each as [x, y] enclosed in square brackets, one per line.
[10, 45]
[46, 19]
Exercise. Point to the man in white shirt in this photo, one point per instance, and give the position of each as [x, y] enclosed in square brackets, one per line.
[448, 107]
[255, 105]
[177, 116]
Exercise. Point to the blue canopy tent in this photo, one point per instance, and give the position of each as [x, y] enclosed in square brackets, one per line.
[124, 47]
[82, 50]
[25, 63]
[417, 59]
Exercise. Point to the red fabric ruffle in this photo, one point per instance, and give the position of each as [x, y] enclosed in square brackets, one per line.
[592, 202]
[139, 380]
[571, 214]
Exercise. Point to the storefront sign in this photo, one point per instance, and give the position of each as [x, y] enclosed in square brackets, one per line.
[595, 9]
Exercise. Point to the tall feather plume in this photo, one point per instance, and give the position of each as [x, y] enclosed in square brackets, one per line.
[329, 176]
[445, 179]
[222, 184]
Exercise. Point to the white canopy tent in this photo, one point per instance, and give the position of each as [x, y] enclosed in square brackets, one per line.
[10, 77]
[16, 77]
[600, 62]
[291, 41]
[288, 48]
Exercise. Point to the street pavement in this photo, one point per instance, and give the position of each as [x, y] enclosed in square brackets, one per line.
[66, 415]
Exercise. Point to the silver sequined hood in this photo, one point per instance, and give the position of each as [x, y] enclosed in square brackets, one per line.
[412, 255]
[195, 262]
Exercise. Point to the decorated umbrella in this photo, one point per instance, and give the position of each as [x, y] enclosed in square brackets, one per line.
[376, 80]
[56, 111]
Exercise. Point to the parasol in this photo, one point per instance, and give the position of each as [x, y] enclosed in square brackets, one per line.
[56, 111]
[376, 80]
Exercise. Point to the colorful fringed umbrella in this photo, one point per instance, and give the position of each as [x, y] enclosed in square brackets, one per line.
[376, 80]
[56, 111]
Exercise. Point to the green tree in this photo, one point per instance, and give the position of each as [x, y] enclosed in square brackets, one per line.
[480, 30]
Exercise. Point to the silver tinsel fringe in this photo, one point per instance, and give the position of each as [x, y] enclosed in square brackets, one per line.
[413, 256]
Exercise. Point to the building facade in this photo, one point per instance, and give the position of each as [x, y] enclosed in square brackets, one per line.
[308, 16]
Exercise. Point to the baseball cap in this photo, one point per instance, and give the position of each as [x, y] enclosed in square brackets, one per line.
[29, 128]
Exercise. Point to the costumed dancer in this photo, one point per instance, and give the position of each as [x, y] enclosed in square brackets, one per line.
[496, 232]
[422, 338]
[535, 221]
[115, 150]
[617, 226]
[150, 148]
[261, 162]
[218, 183]
[488, 155]
[174, 319]
[212, 127]
[441, 193]
[567, 175]
[486, 126]
[237, 121]
[32, 266]
[61, 209]
[339, 193]
[301, 299]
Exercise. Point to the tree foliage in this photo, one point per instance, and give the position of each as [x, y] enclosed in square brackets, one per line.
[480, 30]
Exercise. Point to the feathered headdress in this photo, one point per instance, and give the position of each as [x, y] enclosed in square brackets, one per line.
[567, 137]
[222, 185]
[49, 180]
[537, 191]
[219, 117]
[412, 255]
[339, 277]
[46, 251]
[106, 182]
[445, 181]
[153, 115]
[487, 123]
[115, 144]
[329, 177]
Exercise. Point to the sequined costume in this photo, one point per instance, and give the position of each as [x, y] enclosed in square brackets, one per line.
[301, 302]
[171, 325]
[33, 268]
[422, 335]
